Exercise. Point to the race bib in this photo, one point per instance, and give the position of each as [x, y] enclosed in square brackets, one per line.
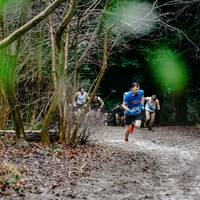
[136, 108]
[151, 106]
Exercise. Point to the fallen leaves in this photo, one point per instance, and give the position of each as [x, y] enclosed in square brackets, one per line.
[10, 178]
[76, 170]
[45, 169]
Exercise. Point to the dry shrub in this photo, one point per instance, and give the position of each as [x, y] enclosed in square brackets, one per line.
[9, 175]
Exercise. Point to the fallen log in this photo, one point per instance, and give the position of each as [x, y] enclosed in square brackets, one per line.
[34, 135]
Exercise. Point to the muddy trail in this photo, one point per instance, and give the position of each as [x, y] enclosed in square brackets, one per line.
[160, 165]
[168, 159]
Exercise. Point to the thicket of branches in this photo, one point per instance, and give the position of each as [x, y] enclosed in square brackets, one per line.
[49, 46]
[48, 59]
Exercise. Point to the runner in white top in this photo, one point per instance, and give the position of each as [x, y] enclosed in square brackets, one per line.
[152, 103]
[80, 98]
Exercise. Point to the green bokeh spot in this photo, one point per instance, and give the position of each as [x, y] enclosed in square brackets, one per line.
[169, 69]
[133, 17]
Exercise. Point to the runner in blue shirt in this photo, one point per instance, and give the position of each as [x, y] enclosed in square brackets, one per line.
[133, 104]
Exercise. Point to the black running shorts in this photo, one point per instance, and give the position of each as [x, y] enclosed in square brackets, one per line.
[130, 119]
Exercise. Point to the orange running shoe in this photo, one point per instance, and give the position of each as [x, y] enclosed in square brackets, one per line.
[131, 129]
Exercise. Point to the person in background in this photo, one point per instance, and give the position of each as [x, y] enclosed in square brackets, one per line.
[118, 113]
[152, 104]
[80, 98]
[108, 119]
[79, 101]
[96, 106]
[133, 104]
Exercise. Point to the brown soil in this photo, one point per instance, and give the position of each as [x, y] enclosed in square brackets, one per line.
[159, 165]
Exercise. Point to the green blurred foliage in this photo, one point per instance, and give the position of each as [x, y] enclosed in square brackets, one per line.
[110, 104]
[4, 4]
[167, 113]
[167, 110]
[193, 108]
[8, 63]
[130, 63]
[168, 68]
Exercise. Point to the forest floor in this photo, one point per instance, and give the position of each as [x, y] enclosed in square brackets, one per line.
[160, 165]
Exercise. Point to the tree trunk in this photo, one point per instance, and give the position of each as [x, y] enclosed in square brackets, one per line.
[62, 93]
[12, 93]
[65, 125]
[18, 124]
[45, 137]
[180, 101]
[60, 89]
[103, 66]
[64, 110]
[53, 52]
[5, 110]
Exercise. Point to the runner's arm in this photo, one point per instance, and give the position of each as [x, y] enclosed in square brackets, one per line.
[158, 104]
[125, 103]
[87, 99]
[101, 102]
[114, 108]
[147, 98]
[125, 107]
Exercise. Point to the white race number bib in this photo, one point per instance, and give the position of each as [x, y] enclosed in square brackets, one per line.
[136, 108]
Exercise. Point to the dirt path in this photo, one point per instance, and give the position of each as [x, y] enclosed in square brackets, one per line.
[163, 165]
[160, 165]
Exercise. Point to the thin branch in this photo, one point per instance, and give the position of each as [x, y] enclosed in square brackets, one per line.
[179, 31]
[66, 20]
[29, 25]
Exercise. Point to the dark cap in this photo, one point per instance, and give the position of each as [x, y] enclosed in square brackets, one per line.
[154, 97]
